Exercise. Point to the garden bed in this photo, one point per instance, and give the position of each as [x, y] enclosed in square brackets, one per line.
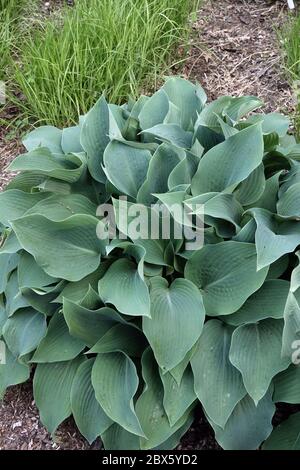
[234, 51]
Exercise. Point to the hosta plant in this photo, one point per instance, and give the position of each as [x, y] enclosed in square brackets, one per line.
[129, 326]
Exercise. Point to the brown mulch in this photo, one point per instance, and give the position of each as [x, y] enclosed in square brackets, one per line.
[234, 51]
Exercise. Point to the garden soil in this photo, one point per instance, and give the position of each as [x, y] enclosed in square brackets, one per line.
[234, 50]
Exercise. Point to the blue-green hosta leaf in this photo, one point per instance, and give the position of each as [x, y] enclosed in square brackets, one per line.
[8, 262]
[15, 203]
[218, 384]
[187, 97]
[10, 244]
[183, 171]
[91, 299]
[41, 301]
[115, 381]
[76, 291]
[161, 164]
[287, 385]
[240, 106]
[58, 345]
[178, 398]
[44, 136]
[124, 287]
[268, 302]
[269, 197]
[52, 385]
[247, 232]
[12, 372]
[89, 325]
[60, 207]
[226, 275]
[88, 414]
[178, 371]
[176, 311]
[172, 134]
[248, 426]
[230, 162]
[271, 122]
[31, 275]
[121, 337]
[117, 438]
[154, 110]
[291, 330]
[68, 249]
[288, 203]
[277, 269]
[3, 315]
[252, 188]
[256, 352]
[227, 130]
[126, 167]
[14, 297]
[220, 206]
[150, 407]
[70, 140]
[67, 168]
[274, 237]
[23, 331]
[95, 137]
[286, 436]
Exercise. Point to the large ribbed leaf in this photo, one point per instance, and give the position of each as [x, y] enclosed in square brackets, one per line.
[218, 384]
[154, 110]
[58, 345]
[176, 311]
[248, 426]
[188, 98]
[31, 275]
[177, 398]
[121, 337]
[273, 237]
[89, 325]
[124, 287]
[172, 134]
[150, 407]
[94, 137]
[60, 207]
[12, 372]
[268, 302]
[13, 295]
[8, 262]
[126, 167]
[44, 136]
[73, 249]
[287, 385]
[230, 162]
[88, 414]
[256, 352]
[52, 385]
[67, 168]
[161, 164]
[286, 436]
[252, 188]
[226, 275]
[15, 203]
[23, 331]
[70, 140]
[77, 290]
[115, 381]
